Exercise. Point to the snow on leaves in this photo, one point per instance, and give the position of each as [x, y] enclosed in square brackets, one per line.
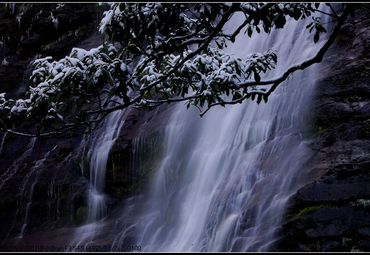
[157, 53]
[53, 82]
[213, 74]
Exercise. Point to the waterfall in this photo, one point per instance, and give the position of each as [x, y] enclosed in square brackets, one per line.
[97, 153]
[225, 179]
[96, 148]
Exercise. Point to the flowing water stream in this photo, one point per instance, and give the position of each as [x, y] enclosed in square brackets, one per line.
[97, 154]
[96, 148]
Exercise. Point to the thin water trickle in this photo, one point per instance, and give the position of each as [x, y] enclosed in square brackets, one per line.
[31, 180]
[97, 153]
[2, 142]
[14, 167]
[97, 147]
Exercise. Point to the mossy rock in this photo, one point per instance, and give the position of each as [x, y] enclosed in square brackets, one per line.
[311, 209]
[80, 216]
[321, 130]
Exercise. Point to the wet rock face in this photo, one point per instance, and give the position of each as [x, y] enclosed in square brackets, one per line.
[331, 212]
[137, 152]
[41, 182]
[42, 188]
[28, 30]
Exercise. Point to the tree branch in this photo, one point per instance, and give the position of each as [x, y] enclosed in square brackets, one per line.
[217, 29]
[102, 112]
[237, 101]
[316, 59]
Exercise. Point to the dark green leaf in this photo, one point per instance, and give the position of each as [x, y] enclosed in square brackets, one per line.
[237, 69]
[257, 77]
[250, 31]
[316, 37]
[259, 98]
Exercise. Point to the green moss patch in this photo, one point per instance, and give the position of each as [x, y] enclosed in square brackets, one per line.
[311, 209]
[81, 214]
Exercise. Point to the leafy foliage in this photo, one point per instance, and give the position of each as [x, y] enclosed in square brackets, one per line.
[159, 53]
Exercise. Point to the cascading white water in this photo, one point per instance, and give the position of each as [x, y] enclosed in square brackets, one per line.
[225, 179]
[98, 150]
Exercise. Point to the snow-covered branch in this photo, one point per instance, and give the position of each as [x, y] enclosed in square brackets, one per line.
[160, 53]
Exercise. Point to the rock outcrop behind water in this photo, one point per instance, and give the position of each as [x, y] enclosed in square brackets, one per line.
[332, 211]
[42, 182]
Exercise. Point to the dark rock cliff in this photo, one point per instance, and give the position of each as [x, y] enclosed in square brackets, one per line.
[42, 184]
[332, 211]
